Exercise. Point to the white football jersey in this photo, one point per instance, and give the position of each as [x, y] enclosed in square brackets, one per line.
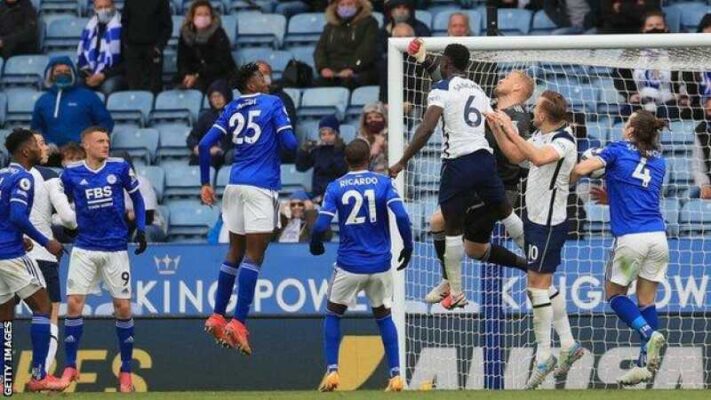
[463, 124]
[549, 185]
[48, 196]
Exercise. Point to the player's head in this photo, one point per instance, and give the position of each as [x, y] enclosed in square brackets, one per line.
[654, 22]
[266, 71]
[21, 144]
[358, 154]
[250, 80]
[643, 129]
[71, 152]
[44, 149]
[454, 60]
[516, 83]
[96, 143]
[551, 110]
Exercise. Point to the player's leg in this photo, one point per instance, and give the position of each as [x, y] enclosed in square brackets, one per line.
[116, 274]
[479, 224]
[50, 271]
[439, 292]
[379, 290]
[571, 350]
[215, 324]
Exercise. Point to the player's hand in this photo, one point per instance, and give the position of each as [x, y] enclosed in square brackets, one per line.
[28, 244]
[207, 195]
[141, 241]
[404, 258]
[55, 248]
[317, 248]
[395, 170]
[416, 49]
[599, 195]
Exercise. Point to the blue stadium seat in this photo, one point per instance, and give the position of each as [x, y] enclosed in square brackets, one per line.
[229, 24]
[317, 102]
[579, 97]
[177, 105]
[515, 21]
[64, 33]
[130, 106]
[615, 132]
[170, 66]
[276, 58]
[173, 143]
[596, 131]
[190, 220]
[138, 143]
[50, 7]
[20, 104]
[598, 221]
[425, 17]
[378, 17]
[426, 174]
[672, 15]
[609, 100]
[260, 29]
[542, 25]
[680, 132]
[305, 29]
[3, 109]
[156, 175]
[223, 179]
[680, 169]
[295, 95]
[175, 33]
[307, 130]
[360, 97]
[182, 180]
[691, 14]
[670, 210]
[25, 71]
[695, 217]
[305, 54]
[291, 179]
[266, 6]
[441, 22]
[348, 133]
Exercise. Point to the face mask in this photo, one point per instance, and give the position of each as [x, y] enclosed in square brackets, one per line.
[63, 81]
[346, 11]
[655, 30]
[375, 126]
[202, 22]
[401, 16]
[104, 15]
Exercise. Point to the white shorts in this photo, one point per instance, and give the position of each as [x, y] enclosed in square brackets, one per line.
[345, 286]
[19, 276]
[644, 255]
[89, 268]
[249, 209]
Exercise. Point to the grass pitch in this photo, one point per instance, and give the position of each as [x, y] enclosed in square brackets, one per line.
[410, 395]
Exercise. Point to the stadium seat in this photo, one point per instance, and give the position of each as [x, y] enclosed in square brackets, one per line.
[305, 29]
[138, 143]
[260, 29]
[20, 104]
[379, 18]
[680, 132]
[426, 174]
[680, 169]
[276, 58]
[609, 100]
[672, 15]
[304, 54]
[691, 14]
[670, 210]
[229, 24]
[348, 133]
[190, 220]
[266, 6]
[27, 71]
[598, 221]
[579, 97]
[317, 102]
[175, 34]
[156, 175]
[360, 97]
[295, 95]
[542, 25]
[130, 106]
[615, 132]
[514, 21]
[596, 131]
[170, 66]
[64, 33]
[291, 179]
[182, 180]
[173, 143]
[3, 108]
[695, 217]
[177, 105]
[441, 22]
[425, 17]
[307, 130]
[50, 7]
[223, 178]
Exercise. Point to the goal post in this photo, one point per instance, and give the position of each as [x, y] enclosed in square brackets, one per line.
[489, 344]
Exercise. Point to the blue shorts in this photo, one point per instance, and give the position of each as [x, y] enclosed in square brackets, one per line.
[544, 245]
[475, 173]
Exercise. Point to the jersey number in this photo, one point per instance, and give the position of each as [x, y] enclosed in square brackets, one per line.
[239, 135]
[532, 253]
[642, 172]
[471, 111]
[353, 218]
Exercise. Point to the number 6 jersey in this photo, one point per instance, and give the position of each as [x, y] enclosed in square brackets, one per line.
[463, 126]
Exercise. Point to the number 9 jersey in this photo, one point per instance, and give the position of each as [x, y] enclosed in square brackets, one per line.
[463, 126]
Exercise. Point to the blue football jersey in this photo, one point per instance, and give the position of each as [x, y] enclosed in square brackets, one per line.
[361, 199]
[16, 185]
[254, 121]
[634, 188]
[99, 203]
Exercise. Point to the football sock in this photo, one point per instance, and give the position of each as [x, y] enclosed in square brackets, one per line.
[650, 315]
[225, 286]
[630, 314]
[542, 322]
[514, 227]
[439, 240]
[389, 335]
[124, 332]
[52, 352]
[73, 329]
[453, 255]
[561, 324]
[331, 340]
[39, 333]
[247, 281]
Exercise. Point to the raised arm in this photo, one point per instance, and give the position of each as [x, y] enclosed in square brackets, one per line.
[422, 135]
[584, 168]
[538, 156]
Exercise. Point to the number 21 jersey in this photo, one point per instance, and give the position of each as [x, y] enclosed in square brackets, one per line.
[463, 126]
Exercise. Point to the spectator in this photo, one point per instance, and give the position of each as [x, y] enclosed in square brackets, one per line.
[458, 25]
[71, 152]
[204, 51]
[346, 52]
[277, 90]
[146, 28]
[624, 16]
[701, 167]
[325, 156]
[219, 95]
[297, 218]
[18, 28]
[705, 24]
[63, 112]
[99, 53]
[401, 11]
[373, 128]
[571, 16]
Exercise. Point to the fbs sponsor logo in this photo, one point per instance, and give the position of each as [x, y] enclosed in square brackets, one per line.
[167, 265]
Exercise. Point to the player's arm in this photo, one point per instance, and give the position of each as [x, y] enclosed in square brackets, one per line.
[19, 216]
[422, 135]
[403, 226]
[218, 129]
[510, 150]
[132, 186]
[323, 222]
[538, 156]
[416, 49]
[67, 216]
[284, 129]
[585, 167]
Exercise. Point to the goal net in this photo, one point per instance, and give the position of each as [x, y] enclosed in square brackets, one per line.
[490, 343]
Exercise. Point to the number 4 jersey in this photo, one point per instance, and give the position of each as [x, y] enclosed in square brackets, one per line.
[463, 103]
[634, 188]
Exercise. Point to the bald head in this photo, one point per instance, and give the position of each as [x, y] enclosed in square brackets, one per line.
[458, 25]
[403, 30]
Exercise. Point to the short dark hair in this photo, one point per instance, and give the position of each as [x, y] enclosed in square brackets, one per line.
[92, 129]
[458, 54]
[244, 74]
[17, 139]
[357, 152]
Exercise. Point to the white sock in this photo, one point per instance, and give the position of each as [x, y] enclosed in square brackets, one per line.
[514, 227]
[53, 334]
[453, 256]
[561, 324]
[542, 321]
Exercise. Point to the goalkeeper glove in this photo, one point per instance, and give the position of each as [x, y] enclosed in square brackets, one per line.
[316, 248]
[404, 258]
[416, 49]
[141, 241]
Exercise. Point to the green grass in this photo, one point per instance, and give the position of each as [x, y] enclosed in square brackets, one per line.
[375, 395]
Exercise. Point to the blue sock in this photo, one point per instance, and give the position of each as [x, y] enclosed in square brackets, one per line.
[650, 315]
[73, 329]
[124, 331]
[225, 286]
[389, 335]
[39, 332]
[628, 312]
[331, 340]
[247, 281]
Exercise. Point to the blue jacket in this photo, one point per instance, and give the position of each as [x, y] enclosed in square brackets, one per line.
[61, 114]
